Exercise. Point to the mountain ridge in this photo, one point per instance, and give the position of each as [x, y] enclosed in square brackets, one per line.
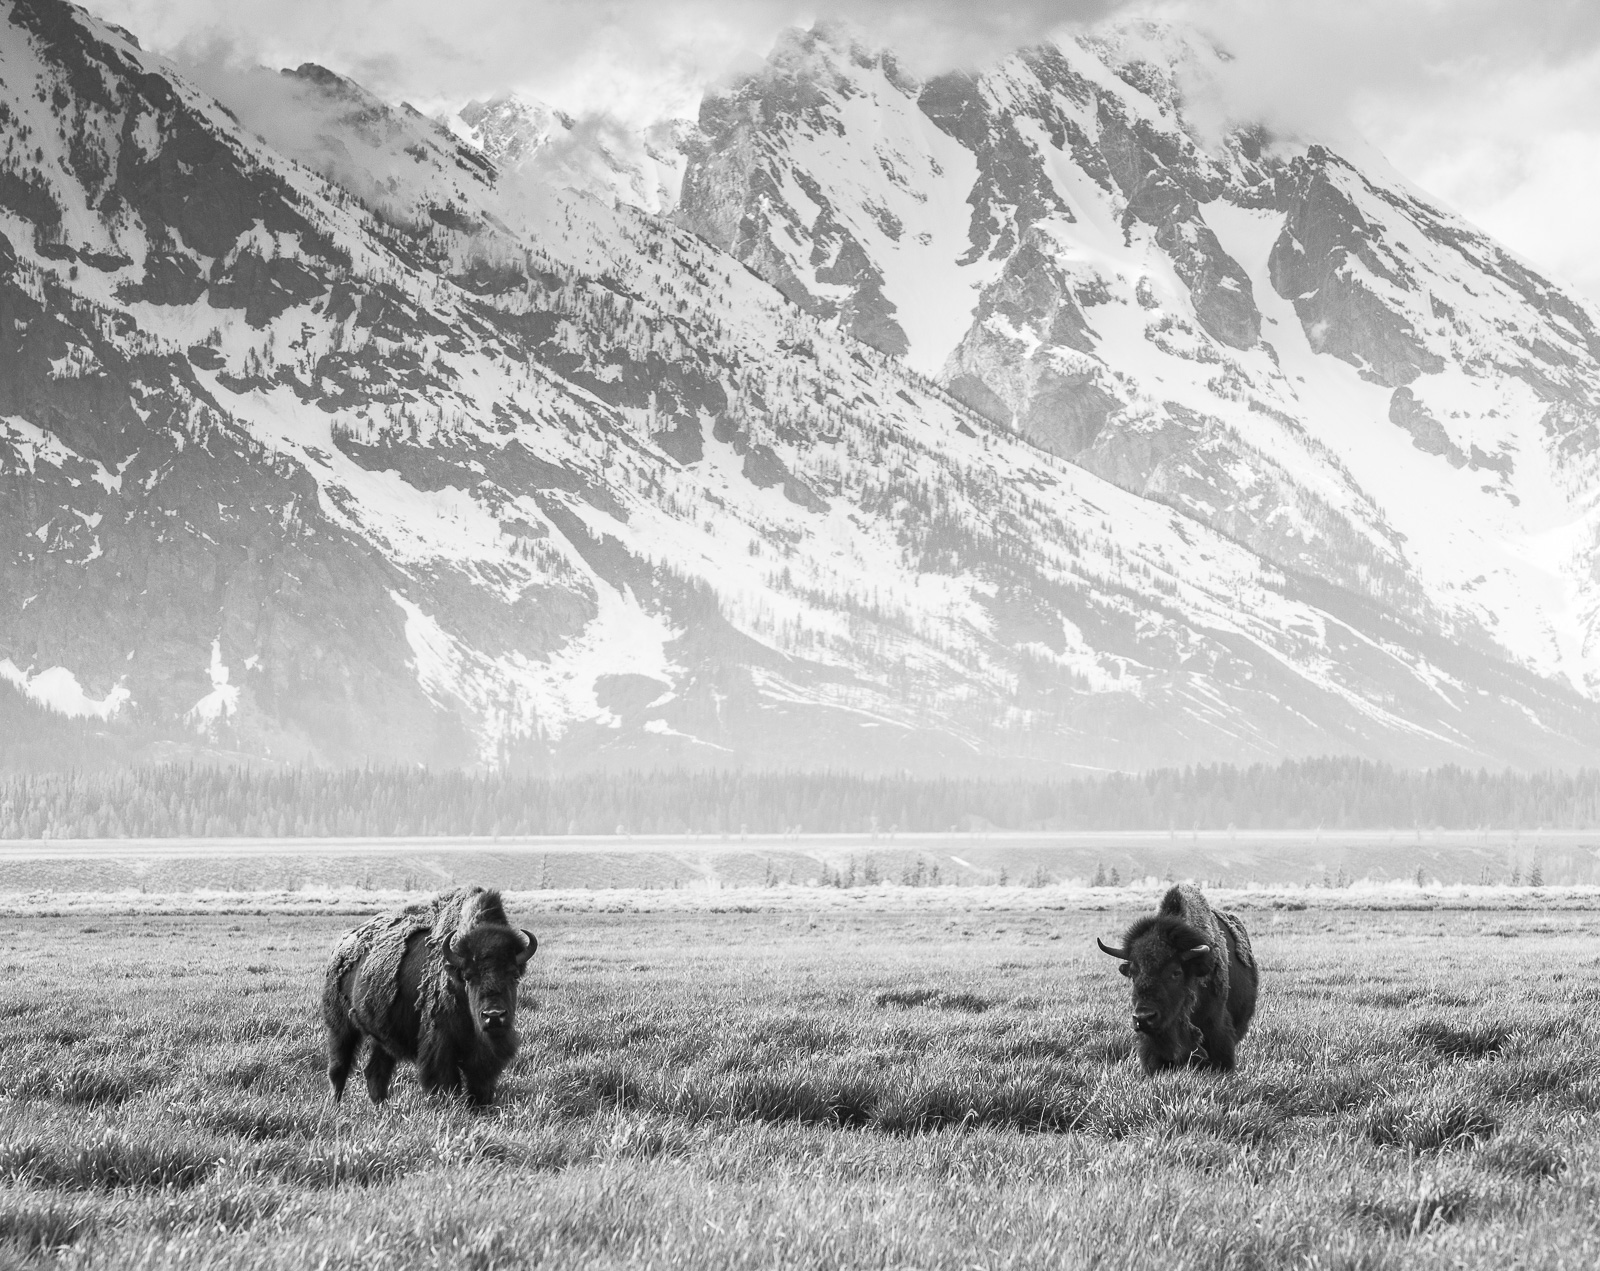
[371, 451]
[1095, 201]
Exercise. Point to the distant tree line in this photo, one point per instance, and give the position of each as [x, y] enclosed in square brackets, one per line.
[179, 801]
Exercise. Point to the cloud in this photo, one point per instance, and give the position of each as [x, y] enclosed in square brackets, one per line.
[601, 156]
[1493, 106]
[1310, 63]
[1520, 157]
[1302, 65]
[636, 58]
[1484, 102]
[327, 126]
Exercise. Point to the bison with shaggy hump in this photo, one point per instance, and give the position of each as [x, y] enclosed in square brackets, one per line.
[1194, 982]
[435, 984]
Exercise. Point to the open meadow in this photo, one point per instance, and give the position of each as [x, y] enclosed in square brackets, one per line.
[937, 1088]
[1220, 858]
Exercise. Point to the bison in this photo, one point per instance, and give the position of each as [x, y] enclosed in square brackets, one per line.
[1194, 982]
[434, 983]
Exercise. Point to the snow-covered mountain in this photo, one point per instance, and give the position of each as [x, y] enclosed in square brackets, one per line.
[322, 437]
[1289, 344]
[532, 144]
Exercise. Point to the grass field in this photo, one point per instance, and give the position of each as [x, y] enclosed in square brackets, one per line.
[932, 1089]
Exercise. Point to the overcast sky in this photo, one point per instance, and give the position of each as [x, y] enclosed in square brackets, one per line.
[1492, 105]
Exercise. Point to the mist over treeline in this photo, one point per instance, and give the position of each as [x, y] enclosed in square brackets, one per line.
[178, 801]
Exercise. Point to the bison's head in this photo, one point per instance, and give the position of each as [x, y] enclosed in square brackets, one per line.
[486, 963]
[1166, 963]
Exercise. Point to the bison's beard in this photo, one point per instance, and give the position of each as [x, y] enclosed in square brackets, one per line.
[1169, 1047]
[1174, 1038]
[502, 1043]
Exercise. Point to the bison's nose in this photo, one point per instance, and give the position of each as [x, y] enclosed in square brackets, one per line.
[1143, 1020]
[494, 1019]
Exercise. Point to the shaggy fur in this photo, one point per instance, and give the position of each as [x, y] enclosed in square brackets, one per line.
[434, 983]
[1194, 982]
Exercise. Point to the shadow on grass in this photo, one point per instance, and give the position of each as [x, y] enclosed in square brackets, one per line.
[232, 1208]
[1475, 1042]
[1415, 1209]
[1434, 1121]
[88, 1081]
[971, 1003]
[41, 1224]
[1524, 1157]
[112, 1161]
[892, 1102]
[260, 1120]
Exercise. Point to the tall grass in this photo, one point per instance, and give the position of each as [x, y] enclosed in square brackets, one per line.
[757, 1090]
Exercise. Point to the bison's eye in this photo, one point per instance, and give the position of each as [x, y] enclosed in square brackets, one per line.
[1175, 972]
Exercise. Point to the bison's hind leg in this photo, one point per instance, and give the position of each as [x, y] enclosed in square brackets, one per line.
[343, 1039]
[1242, 1004]
[380, 1071]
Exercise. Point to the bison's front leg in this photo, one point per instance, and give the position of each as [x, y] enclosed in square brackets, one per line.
[1159, 1051]
[437, 1068]
[1222, 1056]
[482, 1073]
[1220, 1042]
[380, 1071]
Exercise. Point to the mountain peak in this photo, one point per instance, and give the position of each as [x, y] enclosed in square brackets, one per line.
[595, 154]
[998, 425]
[510, 129]
[328, 81]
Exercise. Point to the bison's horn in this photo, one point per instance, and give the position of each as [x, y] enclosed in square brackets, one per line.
[530, 942]
[1106, 948]
[1196, 951]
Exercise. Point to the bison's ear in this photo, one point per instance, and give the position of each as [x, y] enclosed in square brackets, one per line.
[527, 952]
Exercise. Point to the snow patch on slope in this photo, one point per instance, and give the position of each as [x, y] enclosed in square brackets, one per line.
[1507, 562]
[57, 688]
[513, 697]
[221, 702]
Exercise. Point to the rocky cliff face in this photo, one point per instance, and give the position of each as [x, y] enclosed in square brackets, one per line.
[337, 442]
[1288, 344]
